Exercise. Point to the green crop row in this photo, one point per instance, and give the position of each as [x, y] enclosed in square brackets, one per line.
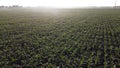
[70, 38]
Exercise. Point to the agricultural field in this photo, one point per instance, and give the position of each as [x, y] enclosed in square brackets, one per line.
[59, 38]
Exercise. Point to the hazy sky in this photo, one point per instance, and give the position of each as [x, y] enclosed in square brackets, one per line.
[60, 3]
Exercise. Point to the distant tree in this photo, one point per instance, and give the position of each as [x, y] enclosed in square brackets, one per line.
[16, 6]
[2, 6]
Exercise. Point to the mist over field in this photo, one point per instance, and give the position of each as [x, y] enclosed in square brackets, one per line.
[34, 37]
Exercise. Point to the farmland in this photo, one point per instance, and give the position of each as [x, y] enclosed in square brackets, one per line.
[64, 38]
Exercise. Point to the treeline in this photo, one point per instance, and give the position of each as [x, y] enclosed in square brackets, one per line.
[13, 6]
